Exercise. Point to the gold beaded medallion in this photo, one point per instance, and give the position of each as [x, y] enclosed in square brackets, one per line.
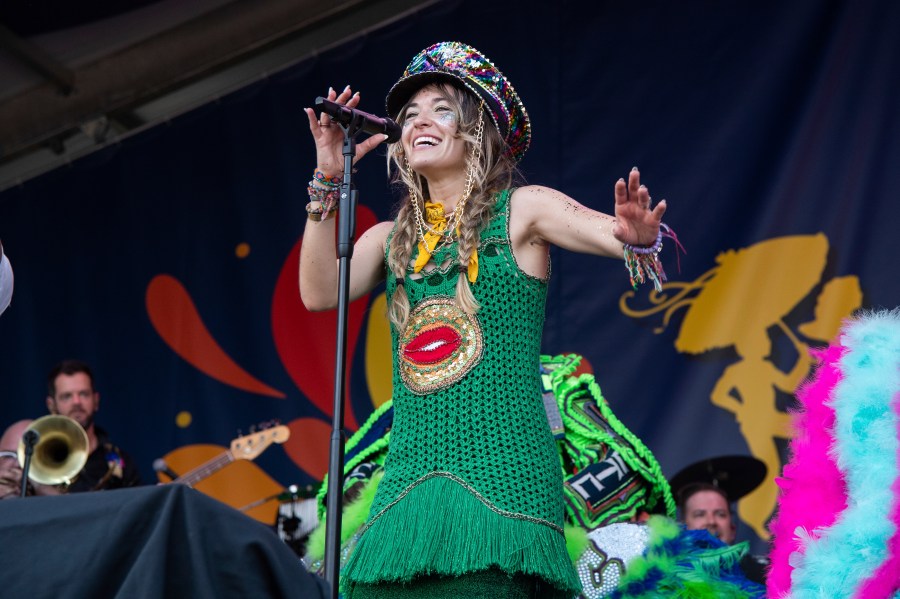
[440, 345]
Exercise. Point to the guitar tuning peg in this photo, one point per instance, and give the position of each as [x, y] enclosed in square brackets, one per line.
[252, 428]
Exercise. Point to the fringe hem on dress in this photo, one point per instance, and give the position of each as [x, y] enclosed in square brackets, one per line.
[461, 534]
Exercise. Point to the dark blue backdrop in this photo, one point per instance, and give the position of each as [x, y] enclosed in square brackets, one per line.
[755, 120]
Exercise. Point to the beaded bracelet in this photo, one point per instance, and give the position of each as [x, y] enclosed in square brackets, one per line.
[321, 195]
[324, 179]
[315, 187]
[323, 212]
[652, 249]
[328, 204]
[642, 262]
[322, 189]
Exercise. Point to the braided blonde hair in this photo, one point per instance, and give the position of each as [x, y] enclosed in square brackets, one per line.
[492, 172]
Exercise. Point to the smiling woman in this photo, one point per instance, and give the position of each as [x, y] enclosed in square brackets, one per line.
[433, 139]
[466, 264]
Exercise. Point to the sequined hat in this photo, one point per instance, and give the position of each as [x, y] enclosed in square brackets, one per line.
[463, 64]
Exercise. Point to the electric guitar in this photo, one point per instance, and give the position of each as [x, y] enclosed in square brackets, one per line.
[247, 447]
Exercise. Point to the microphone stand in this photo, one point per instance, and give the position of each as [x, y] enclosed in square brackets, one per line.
[346, 229]
[29, 440]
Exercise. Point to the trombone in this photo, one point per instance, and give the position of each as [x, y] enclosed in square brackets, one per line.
[60, 452]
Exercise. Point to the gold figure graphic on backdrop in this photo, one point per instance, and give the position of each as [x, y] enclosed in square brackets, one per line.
[742, 304]
[748, 389]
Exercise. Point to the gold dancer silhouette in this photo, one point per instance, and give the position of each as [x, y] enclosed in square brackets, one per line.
[740, 304]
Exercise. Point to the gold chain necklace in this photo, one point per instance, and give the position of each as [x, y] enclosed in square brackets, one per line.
[449, 234]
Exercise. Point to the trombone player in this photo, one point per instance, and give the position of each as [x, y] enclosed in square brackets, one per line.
[10, 471]
[71, 393]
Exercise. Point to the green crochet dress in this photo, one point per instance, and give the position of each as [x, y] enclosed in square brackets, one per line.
[472, 478]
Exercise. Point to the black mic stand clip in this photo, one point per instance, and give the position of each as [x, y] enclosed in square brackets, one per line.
[29, 440]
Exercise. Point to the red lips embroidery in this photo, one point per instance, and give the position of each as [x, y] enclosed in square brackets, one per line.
[440, 345]
[433, 345]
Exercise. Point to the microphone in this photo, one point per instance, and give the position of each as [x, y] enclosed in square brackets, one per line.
[160, 465]
[31, 438]
[373, 125]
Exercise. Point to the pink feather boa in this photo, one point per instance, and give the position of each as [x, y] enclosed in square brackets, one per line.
[813, 489]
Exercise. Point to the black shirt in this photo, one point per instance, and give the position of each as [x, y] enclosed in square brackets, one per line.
[107, 467]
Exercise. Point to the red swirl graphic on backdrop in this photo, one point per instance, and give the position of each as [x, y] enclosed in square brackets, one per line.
[305, 342]
[174, 316]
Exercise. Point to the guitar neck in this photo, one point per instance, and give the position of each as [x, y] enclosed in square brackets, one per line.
[194, 476]
[242, 448]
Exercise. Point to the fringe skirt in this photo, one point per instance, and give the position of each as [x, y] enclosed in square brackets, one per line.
[487, 584]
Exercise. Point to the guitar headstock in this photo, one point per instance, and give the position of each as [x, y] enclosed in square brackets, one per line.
[249, 446]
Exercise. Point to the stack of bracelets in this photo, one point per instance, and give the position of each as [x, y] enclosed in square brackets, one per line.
[325, 190]
[643, 262]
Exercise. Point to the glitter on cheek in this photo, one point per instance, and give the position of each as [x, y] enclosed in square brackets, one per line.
[447, 118]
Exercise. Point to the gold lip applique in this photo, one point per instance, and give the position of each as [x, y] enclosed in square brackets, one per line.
[440, 345]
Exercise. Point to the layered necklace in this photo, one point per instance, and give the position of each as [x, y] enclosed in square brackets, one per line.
[438, 230]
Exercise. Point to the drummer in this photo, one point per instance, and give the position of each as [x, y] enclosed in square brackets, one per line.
[705, 492]
[706, 506]
[706, 489]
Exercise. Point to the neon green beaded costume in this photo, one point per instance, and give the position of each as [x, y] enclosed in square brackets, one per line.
[472, 478]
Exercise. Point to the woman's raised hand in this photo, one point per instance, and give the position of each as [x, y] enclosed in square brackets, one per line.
[329, 137]
[636, 222]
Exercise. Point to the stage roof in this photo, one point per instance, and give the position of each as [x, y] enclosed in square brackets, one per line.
[75, 77]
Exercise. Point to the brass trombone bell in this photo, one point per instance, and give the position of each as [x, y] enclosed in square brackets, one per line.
[60, 453]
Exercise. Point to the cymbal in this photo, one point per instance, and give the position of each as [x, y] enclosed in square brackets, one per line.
[294, 492]
[736, 475]
[291, 494]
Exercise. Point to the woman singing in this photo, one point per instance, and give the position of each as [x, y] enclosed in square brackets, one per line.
[471, 503]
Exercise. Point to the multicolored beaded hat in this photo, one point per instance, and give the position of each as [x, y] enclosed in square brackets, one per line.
[462, 64]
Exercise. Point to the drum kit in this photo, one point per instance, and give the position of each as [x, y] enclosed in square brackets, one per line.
[297, 517]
